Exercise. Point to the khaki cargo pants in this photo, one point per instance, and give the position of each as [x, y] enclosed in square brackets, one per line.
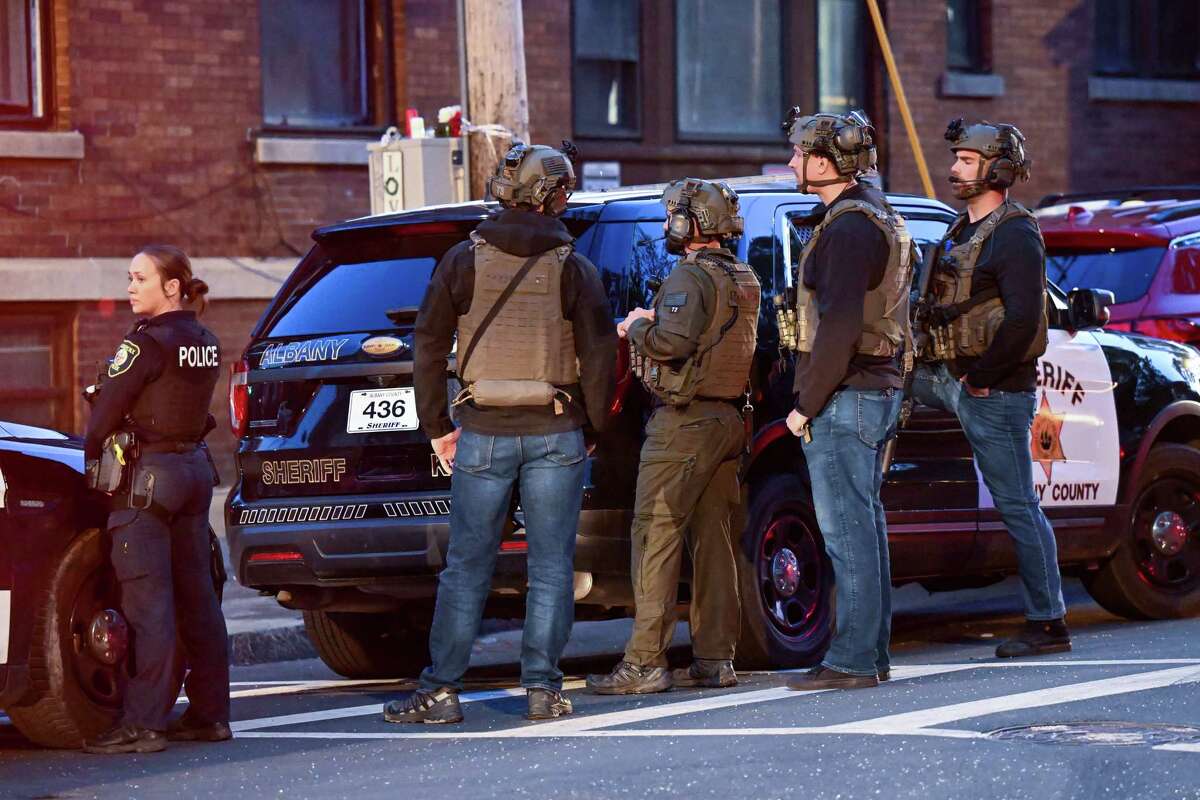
[687, 490]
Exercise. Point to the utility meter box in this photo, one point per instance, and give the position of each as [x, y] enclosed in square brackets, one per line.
[411, 173]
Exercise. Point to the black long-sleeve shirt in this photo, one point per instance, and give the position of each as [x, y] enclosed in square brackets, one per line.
[584, 304]
[1014, 260]
[849, 259]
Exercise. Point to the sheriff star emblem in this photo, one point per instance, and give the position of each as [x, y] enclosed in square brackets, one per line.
[1046, 444]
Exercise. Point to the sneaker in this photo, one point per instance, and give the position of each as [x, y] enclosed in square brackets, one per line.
[547, 704]
[432, 707]
[706, 673]
[826, 678]
[627, 678]
[188, 729]
[126, 739]
[1037, 637]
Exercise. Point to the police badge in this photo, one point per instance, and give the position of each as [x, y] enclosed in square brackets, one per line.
[126, 354]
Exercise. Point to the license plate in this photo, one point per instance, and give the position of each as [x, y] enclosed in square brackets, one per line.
[373, 410]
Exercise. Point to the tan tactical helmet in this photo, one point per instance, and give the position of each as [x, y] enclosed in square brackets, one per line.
[848, 140]
[1002, 147]
[712, 204]
[529, 173]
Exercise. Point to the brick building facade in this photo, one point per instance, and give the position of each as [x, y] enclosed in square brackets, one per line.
[215, 126]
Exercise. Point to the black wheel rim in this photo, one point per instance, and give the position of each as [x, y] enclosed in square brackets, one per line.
[101, 683]
[1166, 535]
[792, 576]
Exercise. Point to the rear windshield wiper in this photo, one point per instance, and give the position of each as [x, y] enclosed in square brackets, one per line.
[404, 316]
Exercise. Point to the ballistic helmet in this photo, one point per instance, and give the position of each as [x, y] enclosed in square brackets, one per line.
[712, 204]
[1002, 147]
[848, 140]
[529, 173]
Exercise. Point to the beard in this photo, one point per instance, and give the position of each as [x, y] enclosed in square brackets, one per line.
[965, 190]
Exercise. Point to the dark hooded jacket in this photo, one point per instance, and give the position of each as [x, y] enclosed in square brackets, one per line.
[584, 304]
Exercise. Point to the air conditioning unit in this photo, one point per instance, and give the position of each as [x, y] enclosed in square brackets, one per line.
[413, 173]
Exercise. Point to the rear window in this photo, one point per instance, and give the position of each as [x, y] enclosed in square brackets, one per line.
[355, 297]
[1125, 273]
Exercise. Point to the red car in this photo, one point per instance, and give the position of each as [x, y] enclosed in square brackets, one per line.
[1142, 244]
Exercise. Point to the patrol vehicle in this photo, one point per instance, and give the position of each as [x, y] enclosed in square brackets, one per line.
[65, 648]
[340, 509]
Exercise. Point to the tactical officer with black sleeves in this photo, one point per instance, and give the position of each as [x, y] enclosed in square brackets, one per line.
[852, 326]
[694, 350]
[987, 326]
[144, 446]
[535, 356]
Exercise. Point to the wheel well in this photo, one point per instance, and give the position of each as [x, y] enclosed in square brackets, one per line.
[782, 456]
[1181, 430]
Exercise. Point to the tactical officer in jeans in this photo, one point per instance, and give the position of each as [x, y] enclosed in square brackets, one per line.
[157, 390]
[987, 328]
[853, 281]
[695, 348]
[536, 349]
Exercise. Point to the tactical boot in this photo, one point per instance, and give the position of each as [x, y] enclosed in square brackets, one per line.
[884, 675]
[826, 678]
[189, 729]
[627, 678]
[126, 739]
[1037, 637]
[546, 704]
[432, 707]
[707, 673]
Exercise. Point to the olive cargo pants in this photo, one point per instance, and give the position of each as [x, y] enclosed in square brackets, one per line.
[687, 490]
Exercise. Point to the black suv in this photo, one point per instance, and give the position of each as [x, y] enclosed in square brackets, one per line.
[340, 509]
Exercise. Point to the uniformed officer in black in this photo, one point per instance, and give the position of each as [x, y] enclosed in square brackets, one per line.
[159, 386]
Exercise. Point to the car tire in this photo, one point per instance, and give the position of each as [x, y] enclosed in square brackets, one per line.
[361, 645]
[72, 695]
[1143, 579]
[785, 579]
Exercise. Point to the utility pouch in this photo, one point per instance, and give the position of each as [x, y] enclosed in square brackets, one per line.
[141, 492]
[110, 473]
[506, 393]
[212, 465]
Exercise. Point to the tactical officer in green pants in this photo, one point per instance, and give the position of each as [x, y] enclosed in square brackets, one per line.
[695, 348]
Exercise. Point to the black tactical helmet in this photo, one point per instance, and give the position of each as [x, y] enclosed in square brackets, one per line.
[529, 173]
[1002, 147]
[848, 140]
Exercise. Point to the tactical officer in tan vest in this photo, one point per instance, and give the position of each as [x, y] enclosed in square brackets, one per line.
[694, 351]
[535, 355]
[987, 327]
[853, 282]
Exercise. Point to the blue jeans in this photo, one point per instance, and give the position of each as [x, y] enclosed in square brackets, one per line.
[550, 471]
[845, 459]
[997, 427]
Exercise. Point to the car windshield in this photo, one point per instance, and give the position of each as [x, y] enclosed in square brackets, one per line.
[1125, 273]
[355, 297]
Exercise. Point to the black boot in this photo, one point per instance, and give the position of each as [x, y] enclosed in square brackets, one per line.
[707, 673]
[546, 704]
[436, 707]
[1037, 637]
[126, 739]
[826, 678]
[627, 678]
[189, 729]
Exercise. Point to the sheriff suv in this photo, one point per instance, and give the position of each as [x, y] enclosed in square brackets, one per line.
[340, 510]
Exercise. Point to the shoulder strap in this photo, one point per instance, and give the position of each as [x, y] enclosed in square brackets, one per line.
[495, 309]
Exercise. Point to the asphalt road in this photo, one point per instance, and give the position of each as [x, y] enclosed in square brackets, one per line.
[951, 724]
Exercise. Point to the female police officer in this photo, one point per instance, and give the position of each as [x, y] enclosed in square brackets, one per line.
[152, 414]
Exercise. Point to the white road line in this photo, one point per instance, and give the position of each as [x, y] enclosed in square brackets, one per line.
[913, 721]
[367, 710]
[534, 731]
[1180, 747]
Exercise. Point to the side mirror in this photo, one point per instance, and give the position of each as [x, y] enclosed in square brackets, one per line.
[1089, 308]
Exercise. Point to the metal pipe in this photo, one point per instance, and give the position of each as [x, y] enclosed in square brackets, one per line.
[898, 88]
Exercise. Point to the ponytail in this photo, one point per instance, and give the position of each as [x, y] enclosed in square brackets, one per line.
[173, 264]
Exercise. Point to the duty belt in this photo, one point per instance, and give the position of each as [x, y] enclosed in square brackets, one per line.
[168, 447]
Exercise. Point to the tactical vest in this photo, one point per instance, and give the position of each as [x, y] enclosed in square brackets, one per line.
[720, 367]
[174, 406]
[976, 319]
[528, 340]
[885, 308]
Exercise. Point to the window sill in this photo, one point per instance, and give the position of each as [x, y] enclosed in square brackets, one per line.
[41, 144]
[971, 84]
[339, 151]
[1143, 90]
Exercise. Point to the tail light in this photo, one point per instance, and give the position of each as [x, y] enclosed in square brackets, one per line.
[1177, 329]
[239, 397]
